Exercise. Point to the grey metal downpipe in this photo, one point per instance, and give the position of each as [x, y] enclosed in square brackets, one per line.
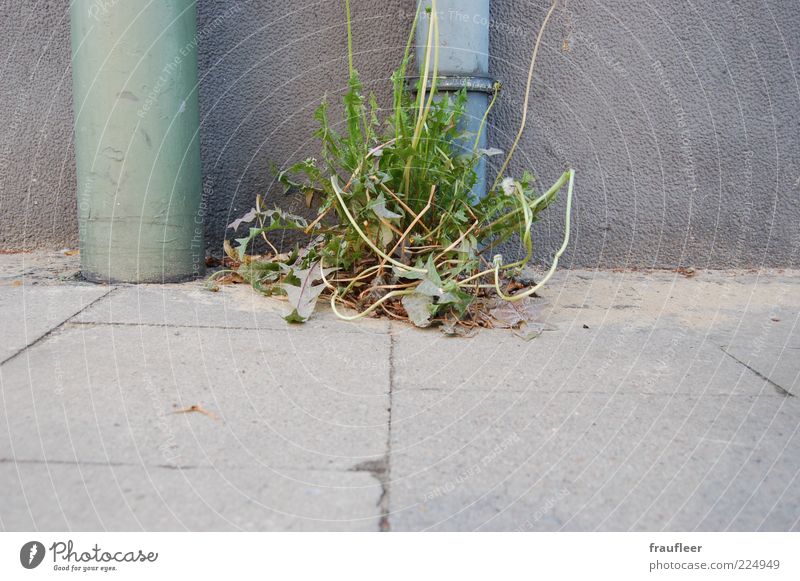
[463, 62]
[137, 149]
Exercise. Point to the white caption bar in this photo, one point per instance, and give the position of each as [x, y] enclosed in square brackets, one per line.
[506, 556]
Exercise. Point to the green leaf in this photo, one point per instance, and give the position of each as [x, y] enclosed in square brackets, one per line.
[247, 218]
[241, 249]
[410, 274]
[387, 235]
[419, 308]
[260, 271]
[294, 318]
[378, 205]
[490, 152]
[431, 284]
[278, 220]
[454, 296]
[303, 296]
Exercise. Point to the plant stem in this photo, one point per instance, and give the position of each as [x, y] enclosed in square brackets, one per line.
[364, 313]
[403, 205]
[371, 308]
[527, 97]
[337, 191]
[486, 117]
[555, 187]
[526, 227]
[416, 219]
[424, 108]
[351, 68]
[557, 256]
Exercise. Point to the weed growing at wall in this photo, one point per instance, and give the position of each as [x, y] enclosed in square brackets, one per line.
[398, 232]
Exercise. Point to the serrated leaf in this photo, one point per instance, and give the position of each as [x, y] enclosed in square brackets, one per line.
[308, 167]
[460, 216]
[241, 249]
[246, 219]
[261, 272]
[453, 295]
[303, 295]
[279, 220]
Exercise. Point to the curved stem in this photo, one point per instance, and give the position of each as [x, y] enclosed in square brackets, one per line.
[403, 68]
[530, 291]
[364, 313]
[337, 191]
[414, 222]
[424, 108]
[349, 39]
[527, 97]
[371, 308]
[526, 232]
[554, 188]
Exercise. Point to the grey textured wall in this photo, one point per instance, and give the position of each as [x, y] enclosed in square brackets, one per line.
[37, 166]
[681, 118]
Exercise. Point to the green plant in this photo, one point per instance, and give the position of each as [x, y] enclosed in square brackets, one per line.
[397, 230]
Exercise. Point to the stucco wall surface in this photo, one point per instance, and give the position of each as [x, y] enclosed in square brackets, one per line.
[682, 119]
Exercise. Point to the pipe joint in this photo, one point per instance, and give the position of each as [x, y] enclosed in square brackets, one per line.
[472, 83]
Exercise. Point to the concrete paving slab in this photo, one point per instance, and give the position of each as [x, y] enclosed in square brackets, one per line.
[41, 268]
[627, 332]
[771, 348]
[281, 400]
[531, 461]
[88, 497]
[232, 307]
[626, 415]
[715, 303]
[610, 358]
[28, 312]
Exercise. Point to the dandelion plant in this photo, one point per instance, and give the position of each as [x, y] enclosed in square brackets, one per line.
[398, 232]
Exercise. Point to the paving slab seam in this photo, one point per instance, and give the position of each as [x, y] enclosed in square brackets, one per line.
[36, 462]
[385, 525]
[179, 467]
[385, 508]
[57, 328]
[168, 326]
[782, 391]
[584, 392]
[181, 326]
[381, 468]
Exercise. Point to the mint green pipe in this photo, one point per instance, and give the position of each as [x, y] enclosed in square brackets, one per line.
[137, 149]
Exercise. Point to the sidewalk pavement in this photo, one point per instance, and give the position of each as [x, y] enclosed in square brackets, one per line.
[653, 401]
